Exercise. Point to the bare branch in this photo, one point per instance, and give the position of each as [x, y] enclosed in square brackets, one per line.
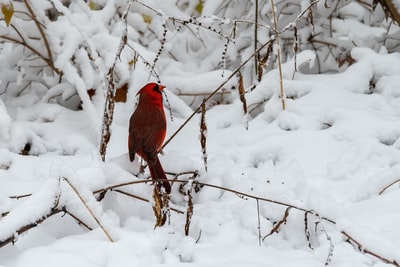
[89, 210]
[362, 248]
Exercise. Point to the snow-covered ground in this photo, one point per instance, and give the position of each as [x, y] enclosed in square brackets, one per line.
[331, 152]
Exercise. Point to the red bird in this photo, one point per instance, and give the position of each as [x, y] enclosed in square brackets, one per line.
[147, 129]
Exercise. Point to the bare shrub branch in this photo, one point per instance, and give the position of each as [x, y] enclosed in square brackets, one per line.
[25, 228]
[88, 209]
[242, 95]
[365, 250]
[278, 55]
[203, 134]
[388, 186]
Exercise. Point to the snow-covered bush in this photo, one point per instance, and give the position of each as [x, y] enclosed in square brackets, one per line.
[288, 178]
[53, 42]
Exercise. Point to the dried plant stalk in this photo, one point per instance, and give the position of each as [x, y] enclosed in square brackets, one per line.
[189, 211]
[307, 229]
[389, 6]
[281, 91]
[256, 55]
[160, 50]
[295, 48]
[259, 223]
[262, 62]
[278, 225]
[203, 134]
[242, 92]
[160, 206]
[108, 113]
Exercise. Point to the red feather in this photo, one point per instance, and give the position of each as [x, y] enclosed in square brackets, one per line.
[147, 129]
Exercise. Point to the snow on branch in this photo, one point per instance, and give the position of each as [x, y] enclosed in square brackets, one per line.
[365, 250]
[30, 212]
[89, 202]
[46, 203]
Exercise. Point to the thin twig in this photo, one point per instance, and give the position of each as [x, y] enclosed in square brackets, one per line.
[77, 219]
[281, 92]
[142, 199]
[389, 185]
[361, 247]
[20, 196]
[39, 26]
[88, 208]
[36, 52]
[233, 74]
[203, 134]
[224, 189]
[256, 38]
[259, 223]
[183, 22]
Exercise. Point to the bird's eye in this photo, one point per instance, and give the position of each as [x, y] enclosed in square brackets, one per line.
[156, 88]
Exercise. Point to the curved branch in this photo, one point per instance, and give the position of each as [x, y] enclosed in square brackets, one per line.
[36, 52]
[39, 27]
[389, 185]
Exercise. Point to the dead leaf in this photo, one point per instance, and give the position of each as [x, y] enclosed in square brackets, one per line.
[8, 12]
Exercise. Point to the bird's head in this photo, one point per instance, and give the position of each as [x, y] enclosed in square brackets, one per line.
[151, 88]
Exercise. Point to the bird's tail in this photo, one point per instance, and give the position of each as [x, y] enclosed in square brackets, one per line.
[158, 175]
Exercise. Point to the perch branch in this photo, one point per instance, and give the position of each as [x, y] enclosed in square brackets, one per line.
[142, 199]
[223, 189]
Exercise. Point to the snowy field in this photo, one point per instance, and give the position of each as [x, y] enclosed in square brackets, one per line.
[316, 184]
[331, 152]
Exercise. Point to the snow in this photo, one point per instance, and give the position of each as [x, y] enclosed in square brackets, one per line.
[329, 155]
[331, 151]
